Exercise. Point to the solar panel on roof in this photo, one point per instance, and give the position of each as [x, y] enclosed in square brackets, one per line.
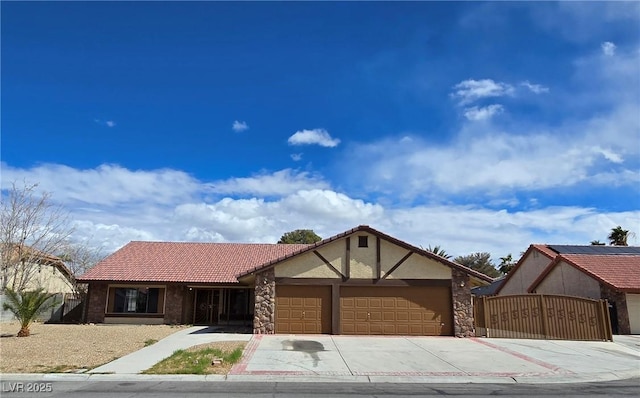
[595, 249]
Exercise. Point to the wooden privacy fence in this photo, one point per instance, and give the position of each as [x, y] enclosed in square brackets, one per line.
[541, 316]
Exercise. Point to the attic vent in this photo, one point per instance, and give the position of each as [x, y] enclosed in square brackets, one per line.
[363, 241]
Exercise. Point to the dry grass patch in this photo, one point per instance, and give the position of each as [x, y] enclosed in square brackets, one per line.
[198, 359]
[62, 348]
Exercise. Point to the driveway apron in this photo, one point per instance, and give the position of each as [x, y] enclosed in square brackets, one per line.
[396, 358]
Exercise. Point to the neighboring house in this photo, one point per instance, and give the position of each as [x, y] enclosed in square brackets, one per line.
[361, 281]
[39, 270]
[597, 272]
[527, 269]
[488, 290]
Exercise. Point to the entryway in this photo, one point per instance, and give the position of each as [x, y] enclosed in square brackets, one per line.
[205, 310]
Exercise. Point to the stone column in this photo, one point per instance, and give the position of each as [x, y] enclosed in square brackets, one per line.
[265, 307]
[620, 300]
[462, 304]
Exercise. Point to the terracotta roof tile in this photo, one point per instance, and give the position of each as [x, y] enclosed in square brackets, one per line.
[546, 250]
[185, 262]
[216, 262]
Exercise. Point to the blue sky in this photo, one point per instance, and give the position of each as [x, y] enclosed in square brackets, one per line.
[473, 126]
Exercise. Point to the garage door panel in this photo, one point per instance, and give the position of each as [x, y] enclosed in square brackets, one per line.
[388, 316]
[396, 310]
[303, 309]
[361, 316]
[349, 315]
[402, 316]
[375, 303]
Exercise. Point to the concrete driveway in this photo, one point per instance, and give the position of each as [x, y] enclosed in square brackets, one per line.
[433, 359]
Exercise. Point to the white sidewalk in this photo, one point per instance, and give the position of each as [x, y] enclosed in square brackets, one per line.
[143, 359]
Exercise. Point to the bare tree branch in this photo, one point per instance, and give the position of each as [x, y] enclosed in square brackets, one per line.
[32, 229]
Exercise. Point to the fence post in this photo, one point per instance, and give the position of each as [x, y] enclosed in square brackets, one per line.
[543, 314]
[606, 320]
[485, 304]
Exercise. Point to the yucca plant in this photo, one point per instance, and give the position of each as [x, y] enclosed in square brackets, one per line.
[26, 306]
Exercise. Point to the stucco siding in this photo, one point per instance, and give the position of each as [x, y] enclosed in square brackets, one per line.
[419, 267]
[363, 259]
[47, 277]
[525, 274]
[567, 280]
[362, 262]
[309, 265]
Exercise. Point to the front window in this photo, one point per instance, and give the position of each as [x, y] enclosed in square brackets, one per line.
[135, 300]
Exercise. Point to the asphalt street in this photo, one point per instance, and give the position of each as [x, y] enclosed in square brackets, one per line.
[145, 389]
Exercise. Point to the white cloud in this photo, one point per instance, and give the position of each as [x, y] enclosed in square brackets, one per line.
[535, 88]
[296, 157]
[239, 126]
[469, 91]
[107, 184]
[107, 123]
[595, 144]
[200, 217]
[608, 48]
[584, 21]
[281, 182]
[483, 113]
[610, 155]
[487, 162]
[316, 136]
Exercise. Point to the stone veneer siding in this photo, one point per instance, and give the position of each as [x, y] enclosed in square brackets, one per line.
[265, 306]
[173, 304]
[462, 304]
[97, 302]
[620, 300]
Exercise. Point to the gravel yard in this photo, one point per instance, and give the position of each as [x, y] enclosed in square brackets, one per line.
[60, 348]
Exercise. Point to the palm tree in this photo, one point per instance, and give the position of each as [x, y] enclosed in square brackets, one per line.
[618, 236]
[597, 243]
[26, 306]
[437, 250]
[506, 264]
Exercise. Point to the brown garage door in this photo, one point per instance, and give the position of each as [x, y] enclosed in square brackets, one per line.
[408, 310]
[303, 309]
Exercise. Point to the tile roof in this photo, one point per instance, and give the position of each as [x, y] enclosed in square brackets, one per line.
[546, 250]
[184, 262]
[217, 262]
[622, 272]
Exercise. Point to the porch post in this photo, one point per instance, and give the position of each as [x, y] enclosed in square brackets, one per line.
[462, 305]
[265, 307]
